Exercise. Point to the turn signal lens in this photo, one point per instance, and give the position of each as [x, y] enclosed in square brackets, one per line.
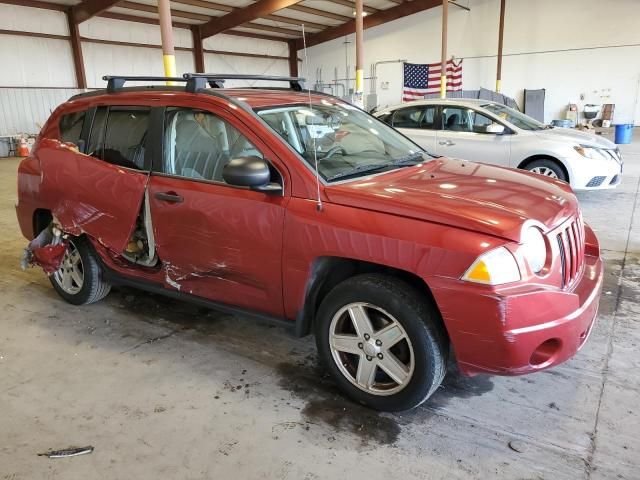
[493, 268]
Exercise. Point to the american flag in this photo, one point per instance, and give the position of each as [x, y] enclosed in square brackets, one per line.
[423, 78]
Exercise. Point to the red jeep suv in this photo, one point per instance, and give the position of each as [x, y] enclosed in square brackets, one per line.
[294, 206]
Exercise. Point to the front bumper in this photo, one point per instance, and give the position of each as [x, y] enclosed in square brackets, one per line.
[590, 174]
[524, 331]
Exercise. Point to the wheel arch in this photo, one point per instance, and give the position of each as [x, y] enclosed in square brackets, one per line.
[326, 272]
[541, 156]
[41, 219]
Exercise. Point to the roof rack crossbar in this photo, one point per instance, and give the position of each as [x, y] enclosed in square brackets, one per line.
[116, 82]
[196, 81]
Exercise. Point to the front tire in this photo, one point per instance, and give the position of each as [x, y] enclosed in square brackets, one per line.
[548, 168]
[381, 341]
[80, 279]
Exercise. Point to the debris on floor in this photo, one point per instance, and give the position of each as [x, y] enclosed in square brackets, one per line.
[46, 250]
[517, 446]
[67, 452]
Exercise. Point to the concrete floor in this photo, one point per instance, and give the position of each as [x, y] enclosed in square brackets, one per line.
[163, 389]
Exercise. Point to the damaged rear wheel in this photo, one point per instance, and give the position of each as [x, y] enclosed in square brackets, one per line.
[80, 279]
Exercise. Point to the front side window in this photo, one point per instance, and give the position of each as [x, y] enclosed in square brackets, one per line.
[343, 140]
[71, 127]
[118, 136]
[199, 144]
[461, 119]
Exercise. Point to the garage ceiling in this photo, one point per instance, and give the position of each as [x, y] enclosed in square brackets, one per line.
[278, 20]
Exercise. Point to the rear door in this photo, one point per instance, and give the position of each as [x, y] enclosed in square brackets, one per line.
[419, 123]
[463, 134]
[95, 185]
[215, 240]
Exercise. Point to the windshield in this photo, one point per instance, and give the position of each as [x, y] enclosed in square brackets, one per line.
[515, 117]
[347, 142]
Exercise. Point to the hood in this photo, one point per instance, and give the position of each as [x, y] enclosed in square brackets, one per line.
[576, 137]
[475, 196]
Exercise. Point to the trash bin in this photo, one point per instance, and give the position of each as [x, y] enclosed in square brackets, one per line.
[624, 133]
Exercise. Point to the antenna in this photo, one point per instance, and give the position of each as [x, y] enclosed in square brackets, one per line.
[315, 151]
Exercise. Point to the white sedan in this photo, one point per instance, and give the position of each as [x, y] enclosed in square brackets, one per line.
[484, 131]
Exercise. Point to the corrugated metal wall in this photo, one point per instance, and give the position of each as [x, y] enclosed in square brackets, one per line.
[24, 110]
[44, 62]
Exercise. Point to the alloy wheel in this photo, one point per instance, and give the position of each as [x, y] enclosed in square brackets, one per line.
[371, 349]
[70, 275]
[547, 172]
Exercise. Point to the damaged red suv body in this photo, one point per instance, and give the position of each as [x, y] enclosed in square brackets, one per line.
[306, 210]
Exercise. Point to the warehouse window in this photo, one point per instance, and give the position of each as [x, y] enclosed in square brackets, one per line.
[71, 127]
[119, 136]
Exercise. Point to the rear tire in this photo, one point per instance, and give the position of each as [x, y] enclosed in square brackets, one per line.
[381, 341]
[80, 279]
[548, 168]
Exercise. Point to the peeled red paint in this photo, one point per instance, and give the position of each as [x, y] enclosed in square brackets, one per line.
[49, 257]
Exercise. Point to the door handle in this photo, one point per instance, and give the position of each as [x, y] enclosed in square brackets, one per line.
[448, 143]
[169, 197]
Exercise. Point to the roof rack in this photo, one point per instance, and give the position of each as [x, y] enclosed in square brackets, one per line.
[116, 82]
[196, 81]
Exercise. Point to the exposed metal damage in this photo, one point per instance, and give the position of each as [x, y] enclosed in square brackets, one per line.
[47, 249]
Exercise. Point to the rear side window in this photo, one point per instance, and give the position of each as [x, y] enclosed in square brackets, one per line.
[118, 136]
[71, 127]
[409, 117]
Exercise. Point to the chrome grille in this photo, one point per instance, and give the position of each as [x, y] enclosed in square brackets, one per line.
[571, 243]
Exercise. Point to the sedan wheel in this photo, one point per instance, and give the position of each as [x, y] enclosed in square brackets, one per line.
[371, 349]
[70, 275]
[547, 172]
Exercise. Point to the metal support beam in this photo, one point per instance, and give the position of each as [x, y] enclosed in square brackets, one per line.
[198, 51]
[243, 15]
[76, 49]
[90, 8]
[293, 58]
[166, 35]
[373, 20]
[443, 56]
[500, 43]
[359, 90]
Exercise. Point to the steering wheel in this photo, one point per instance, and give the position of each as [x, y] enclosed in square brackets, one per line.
[333, 150]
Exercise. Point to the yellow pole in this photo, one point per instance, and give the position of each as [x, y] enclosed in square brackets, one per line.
[166, 34]
[359, 52]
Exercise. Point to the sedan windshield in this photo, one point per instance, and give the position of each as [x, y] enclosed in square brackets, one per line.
[344, 140]
[515, 117]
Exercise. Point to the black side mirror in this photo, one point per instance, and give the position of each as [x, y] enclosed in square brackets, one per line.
[252, 172]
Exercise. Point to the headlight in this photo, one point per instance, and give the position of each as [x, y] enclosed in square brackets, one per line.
[534, 249]
[590, 152]
[493, 268]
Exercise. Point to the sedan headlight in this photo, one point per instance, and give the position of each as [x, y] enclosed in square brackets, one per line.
[493, 268]
[590, 152]
[534, 249]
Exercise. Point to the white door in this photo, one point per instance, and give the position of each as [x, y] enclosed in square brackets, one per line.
[419, 123]
[463, 134]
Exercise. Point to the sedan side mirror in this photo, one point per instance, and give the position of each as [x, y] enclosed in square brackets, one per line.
[495, 128]
[252, 172]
